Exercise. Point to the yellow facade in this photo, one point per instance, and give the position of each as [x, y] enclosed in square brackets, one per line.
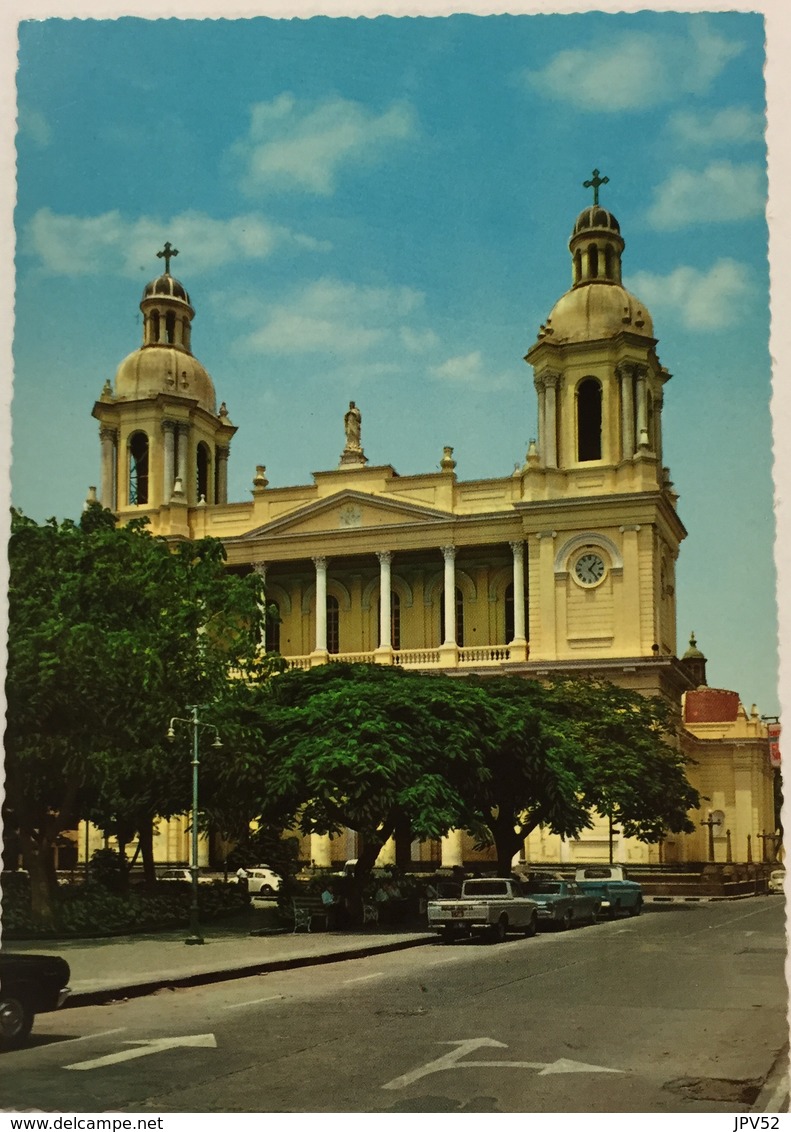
[567, 565]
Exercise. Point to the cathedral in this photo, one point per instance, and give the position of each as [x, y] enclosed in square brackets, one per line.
[567, 566]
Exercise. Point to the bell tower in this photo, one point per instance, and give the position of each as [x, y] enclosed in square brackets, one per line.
[164, 444]
[605, 572]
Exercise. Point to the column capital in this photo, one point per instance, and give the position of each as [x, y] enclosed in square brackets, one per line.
[320, 562]
[518, 548]
[260, 569]
[385, 557]
[169, 426]
[550, 378]
[107, 432]
[448, 553]
[223, 451]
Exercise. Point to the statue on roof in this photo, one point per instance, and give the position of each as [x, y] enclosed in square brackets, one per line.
[352, 423]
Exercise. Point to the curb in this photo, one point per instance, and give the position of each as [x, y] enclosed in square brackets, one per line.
[139, 990]
[697, 899]
[774, 1096]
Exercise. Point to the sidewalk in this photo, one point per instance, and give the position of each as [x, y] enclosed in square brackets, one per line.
[127, 966]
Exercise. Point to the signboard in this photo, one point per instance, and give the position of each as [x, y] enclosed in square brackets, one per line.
[773, 731]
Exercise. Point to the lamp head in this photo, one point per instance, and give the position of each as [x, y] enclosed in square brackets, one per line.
[171, 734]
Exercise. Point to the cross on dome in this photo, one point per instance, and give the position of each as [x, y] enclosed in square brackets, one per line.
[167, 254]
[594, 184]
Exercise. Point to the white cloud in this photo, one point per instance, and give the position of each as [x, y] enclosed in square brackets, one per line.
[418, 341]
[732, 126]
[469, 370]
[636, 70]
[291, 143]
[701, 300]
[335, 318]
[34, 125]
[76, 245]
[723, 191]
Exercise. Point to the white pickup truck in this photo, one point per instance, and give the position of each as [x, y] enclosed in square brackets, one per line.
[487, 905]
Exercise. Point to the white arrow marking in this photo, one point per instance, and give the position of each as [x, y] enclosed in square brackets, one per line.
[447, 1061]
[452, 1061]
[145, 1047]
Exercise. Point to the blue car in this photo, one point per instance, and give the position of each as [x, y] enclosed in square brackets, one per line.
[561, 903]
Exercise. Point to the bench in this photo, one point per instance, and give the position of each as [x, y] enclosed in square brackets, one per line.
[307, 909]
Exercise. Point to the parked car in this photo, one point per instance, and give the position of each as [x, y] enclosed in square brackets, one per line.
[561, 903]
[29, 985]
[487, 905]
[777, 880]
[184, 875]
[263, 881]
[609, 884]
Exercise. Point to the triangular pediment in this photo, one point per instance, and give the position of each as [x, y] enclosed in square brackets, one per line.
[350, 510]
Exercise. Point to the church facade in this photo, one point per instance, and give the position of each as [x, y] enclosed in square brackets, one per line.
[565, 566]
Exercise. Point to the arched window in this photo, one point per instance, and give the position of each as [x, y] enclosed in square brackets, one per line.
[589, 420]
[577, 266]
[593, 261]
[170, 326]
[138, 469]
[333, 624]
[272, 626]
[459, 618]
[153, 320]
[649, 406]
[608, 262]
[395, 621]
[203, 461]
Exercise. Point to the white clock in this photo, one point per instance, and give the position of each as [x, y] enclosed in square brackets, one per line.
[589, 568]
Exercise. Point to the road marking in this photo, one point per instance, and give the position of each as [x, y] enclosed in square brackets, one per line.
[364, 978]
[452, 1060]
[144, 1047]
[87, 1037]
[440, 962]
[255, 1001]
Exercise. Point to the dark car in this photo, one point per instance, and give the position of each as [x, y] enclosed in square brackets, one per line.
[29, 985]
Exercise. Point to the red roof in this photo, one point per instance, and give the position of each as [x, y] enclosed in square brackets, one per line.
[711, 705]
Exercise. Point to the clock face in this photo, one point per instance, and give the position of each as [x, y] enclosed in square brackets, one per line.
[589, 568]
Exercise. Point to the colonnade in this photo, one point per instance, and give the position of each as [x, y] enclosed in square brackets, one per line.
[175, 468]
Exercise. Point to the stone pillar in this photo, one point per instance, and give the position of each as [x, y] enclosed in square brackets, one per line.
[168, 430]
[642, 409]
[109, 444]
[551, 420]
[320, 654]
[387, 854]
[448, 650]
[321, 850]
[627, 411]
[260, 570]
[541, 390]
[183, 437]
[451, 849]
[223, 451]
[518, 647]
[384, 653]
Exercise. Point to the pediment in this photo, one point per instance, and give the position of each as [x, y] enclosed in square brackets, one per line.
[350, 510]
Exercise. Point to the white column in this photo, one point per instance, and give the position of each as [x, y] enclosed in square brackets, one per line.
[321, 850]
[642, 409]
[169, 428]
[518, 549]
[449, 554]
[541, 390]
[551, 421]
[222, 451]
[321, 604]
[109, 439]
[385, 623]
[627, 411]
[451, 849]
[183, 434]
[260, 569]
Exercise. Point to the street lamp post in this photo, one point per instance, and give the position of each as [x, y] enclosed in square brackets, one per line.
[195, 723]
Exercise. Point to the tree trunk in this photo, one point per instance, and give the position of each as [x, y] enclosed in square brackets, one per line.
[506, 843]
[369, 849]
[37, 858]
[145, 844]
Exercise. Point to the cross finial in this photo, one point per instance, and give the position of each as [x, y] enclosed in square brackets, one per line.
[594, 184]
[167, 254]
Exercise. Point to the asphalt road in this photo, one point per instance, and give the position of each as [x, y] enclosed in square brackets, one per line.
[681, 1010]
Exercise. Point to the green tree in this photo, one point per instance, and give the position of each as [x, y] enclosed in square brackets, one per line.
[562, 749]
[111, 632]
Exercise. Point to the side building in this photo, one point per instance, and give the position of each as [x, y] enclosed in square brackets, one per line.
[567, 566]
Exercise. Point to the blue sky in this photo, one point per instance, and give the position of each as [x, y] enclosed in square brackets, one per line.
[379, 210]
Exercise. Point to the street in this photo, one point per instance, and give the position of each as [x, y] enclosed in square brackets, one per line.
[680, 1010]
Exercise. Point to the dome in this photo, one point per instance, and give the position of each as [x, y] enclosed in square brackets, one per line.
[597, 310]
[164, 369]
[168, 287]
[595, 217]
